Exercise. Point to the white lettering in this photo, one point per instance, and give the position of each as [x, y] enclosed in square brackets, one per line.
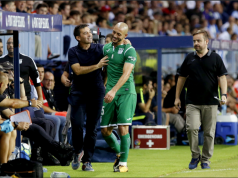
[225, 44]
[149, 131]
[150, 136]
[215, 44]
[40, 22]
[15, 21]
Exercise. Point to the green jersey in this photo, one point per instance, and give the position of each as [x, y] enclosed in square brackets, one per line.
[117, 58]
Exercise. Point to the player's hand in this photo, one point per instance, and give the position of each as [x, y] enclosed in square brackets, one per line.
[126, 41]
[177, 103]
[23, 126]
[36, 103]
[67, 83]
[175, 110]
[103, 62]
[151, 93]
[223, 98]
[109, 96]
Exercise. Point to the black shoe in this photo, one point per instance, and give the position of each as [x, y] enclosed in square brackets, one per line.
[35, 154]
[64, 154]
[50, 160]
[116, 164]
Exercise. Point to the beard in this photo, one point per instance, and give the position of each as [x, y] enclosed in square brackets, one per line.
[118, 41]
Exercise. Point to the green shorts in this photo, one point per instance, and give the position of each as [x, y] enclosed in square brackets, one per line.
[119, 112]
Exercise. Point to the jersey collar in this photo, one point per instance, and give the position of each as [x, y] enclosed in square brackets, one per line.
[208, 53]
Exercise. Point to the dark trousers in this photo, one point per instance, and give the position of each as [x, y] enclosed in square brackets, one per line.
[90, 106]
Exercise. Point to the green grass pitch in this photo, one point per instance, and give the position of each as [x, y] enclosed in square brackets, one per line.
[163, 163]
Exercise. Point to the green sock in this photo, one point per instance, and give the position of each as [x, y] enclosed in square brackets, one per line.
[125, 145]
[112, 142]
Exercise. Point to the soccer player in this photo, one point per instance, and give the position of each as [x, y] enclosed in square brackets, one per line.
[120, 100]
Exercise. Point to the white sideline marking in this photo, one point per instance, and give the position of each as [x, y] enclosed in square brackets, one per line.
[208, 170]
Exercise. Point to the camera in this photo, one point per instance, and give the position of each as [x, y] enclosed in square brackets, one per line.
[97, 36]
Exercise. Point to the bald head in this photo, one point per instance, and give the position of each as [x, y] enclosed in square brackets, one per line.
[119, 33]
[122, 26]
[3, 82]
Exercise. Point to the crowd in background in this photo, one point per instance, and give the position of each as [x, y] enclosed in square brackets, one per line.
[164, 18]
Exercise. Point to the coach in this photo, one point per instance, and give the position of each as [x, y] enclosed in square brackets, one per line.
[202, 69]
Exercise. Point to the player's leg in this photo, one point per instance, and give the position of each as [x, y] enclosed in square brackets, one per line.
[4, 146]
[107, 124]
[12, 143]
[125, 110]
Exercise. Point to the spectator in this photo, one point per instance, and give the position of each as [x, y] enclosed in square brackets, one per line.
[226, 35]
[179, 29]
[219, 13]
[53, 8]
[152, 29]
[170, 9]
[108, 38]
[235, 11]
[231, 23]
[196, 11]
[65, 12]
[208, 13]
[165, 26]
[8, 6]
[77, 5]
[105, 14]
[146, 102]
[101, 22]
[119, 17]
[20, 6]
[212, 28]
[1, 47]
[115, 9]
[187, 29]
[74, 14]
[42, 8]
[233, 38]
[171, 31]
[29, 6]
[86, 20]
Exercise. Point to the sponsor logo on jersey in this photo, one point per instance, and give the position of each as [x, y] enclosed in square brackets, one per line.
[120, 51]
[108, 50]
[129, 119]
[132, 58]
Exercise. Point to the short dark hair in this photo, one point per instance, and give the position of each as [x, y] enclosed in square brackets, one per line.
[0, 40]
[63, 5]
[52, 4]
[153, 75]
[204, 32]
[4, 3]
[109, 35]
[146, 80]
[100, 19]
[78, 28]
[168, 77]
[39, 65]
[74, 12]
[41, 5]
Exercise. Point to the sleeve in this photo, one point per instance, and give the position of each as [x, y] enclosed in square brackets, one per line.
[33, 73]
[130, 55]
[72, 57]
[66, 69]
[2, 97]
[221, 69]
[140, 97]
[183, 71]
[153, 102]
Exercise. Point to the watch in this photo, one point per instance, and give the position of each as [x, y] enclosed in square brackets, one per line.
[16, 124]
[30, 103]
[224, 95]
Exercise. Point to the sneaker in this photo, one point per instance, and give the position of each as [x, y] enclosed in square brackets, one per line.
[121, 169]
[76, 163]
[87, 167]
[205, 166]
[52, 56]
[194, 163]
[116, 163]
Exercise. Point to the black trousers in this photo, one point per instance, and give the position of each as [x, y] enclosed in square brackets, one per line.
[46, 124]
[39, 136]
[89, 105]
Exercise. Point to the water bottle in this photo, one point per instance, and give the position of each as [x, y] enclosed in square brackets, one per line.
[223, 109]
[59, 174]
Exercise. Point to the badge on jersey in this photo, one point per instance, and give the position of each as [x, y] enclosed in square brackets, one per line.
[120, 51]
